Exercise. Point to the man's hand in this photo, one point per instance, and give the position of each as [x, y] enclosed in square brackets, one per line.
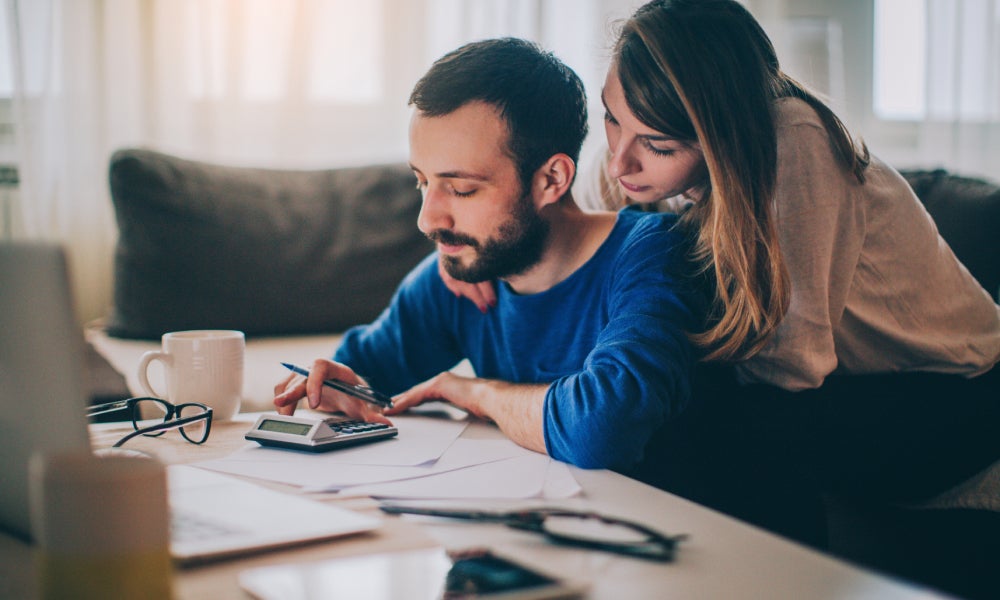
[515, 408]
[288, 392]
[481, 294]
[446, 386]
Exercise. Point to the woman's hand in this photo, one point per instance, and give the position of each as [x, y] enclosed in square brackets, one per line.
[481, 294]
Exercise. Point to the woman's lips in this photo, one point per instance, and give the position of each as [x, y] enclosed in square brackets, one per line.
[633, 188]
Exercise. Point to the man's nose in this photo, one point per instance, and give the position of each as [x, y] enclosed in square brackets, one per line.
[435, 213]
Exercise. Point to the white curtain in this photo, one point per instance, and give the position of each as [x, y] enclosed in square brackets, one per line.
[323, 83]
[61, 115]
[961, 128]
[277, 83]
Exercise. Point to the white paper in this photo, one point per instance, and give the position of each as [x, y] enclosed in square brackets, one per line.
[421, 440]
[317, 473]
[427, 460]
[524, 475]
[460, 455]
[559, 482]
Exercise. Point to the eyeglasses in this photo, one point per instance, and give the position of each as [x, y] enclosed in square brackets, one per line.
[193, 419]
[585, 529]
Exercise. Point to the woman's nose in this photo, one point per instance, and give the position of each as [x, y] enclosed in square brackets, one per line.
[621, 160]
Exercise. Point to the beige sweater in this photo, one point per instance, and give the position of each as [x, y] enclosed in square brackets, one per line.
[874, 287]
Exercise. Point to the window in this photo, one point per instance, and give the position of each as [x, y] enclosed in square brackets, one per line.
[6, 70]
[265, 51]
[950, 57]
[900, 31]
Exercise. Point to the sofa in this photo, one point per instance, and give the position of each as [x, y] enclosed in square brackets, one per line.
[290, 257]
[293, 258]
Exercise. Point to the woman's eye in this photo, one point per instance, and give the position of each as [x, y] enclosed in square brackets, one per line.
[660, 151]
[609, 118]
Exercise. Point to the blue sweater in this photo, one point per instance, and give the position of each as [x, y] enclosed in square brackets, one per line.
[610, 339]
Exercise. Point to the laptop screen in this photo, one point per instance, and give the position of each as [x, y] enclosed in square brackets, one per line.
[42, 391]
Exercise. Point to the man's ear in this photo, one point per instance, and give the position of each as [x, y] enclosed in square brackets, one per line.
[553, 179]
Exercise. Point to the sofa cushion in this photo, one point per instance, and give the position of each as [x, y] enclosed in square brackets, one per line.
[967, 213]
[265, 251]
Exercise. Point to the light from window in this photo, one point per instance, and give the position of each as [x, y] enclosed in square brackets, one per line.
[900, 67]
[266, 51]
[6, 74]
[937, 60]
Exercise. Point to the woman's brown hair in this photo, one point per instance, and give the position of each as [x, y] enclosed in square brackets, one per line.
[704, 71]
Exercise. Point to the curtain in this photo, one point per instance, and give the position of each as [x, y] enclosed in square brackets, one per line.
[323, 83]
[283, 84]
[961, 128]
[62, 135]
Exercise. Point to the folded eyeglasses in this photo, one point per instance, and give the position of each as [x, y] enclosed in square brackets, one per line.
[584, 529]
[193, 419]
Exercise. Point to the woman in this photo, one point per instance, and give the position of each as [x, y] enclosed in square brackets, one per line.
[848, 351]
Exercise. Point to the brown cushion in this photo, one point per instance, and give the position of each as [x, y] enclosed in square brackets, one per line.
[265, 251]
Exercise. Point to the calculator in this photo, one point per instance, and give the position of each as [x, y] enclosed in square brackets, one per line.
[312, 434]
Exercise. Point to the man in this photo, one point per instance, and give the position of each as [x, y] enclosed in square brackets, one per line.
[585, 356]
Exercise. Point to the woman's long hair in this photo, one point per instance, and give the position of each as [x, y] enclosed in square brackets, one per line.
[704, 71]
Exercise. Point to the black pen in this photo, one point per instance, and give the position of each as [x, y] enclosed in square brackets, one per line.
[357, 390]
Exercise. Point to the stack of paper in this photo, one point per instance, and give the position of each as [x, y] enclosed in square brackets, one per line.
[428, 459]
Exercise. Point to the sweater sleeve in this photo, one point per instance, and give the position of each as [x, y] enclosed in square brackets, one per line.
[412, 339]
[638, 374]
[821, 231]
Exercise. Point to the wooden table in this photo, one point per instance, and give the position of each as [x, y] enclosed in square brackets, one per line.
[723, 558]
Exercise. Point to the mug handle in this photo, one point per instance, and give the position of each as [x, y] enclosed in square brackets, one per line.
[144, 362]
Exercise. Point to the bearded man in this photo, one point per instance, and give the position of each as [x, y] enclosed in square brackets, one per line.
[585, 355]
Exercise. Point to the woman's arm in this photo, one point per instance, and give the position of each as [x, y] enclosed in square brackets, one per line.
[821, 229]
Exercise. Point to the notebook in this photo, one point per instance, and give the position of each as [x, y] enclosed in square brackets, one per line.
[42, 408]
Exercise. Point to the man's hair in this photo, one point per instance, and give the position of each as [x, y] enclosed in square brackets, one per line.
[541, 100]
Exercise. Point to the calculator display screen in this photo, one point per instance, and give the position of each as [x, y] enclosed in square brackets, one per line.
[284, 427]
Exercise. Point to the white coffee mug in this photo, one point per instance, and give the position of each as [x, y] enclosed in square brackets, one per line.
[203, 366]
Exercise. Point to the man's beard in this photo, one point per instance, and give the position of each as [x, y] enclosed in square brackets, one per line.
[518, 246]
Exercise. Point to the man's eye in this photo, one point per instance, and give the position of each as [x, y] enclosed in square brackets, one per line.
[462, 194]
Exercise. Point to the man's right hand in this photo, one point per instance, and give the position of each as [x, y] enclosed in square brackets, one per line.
[292, 389]
[481, 294]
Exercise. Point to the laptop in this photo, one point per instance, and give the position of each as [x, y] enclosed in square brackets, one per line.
[42, 392]
[43, 403]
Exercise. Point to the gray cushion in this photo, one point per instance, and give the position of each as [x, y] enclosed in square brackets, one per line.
[967, 213]
[266, 251]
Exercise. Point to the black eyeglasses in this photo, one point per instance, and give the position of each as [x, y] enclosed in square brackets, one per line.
[585, 529]
[193, 419]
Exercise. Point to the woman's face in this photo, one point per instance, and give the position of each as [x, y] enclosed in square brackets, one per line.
[648, 165]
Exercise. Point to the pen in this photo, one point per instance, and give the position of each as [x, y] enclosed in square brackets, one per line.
[357, 390]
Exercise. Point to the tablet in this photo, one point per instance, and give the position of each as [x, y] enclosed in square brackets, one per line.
[429, 574]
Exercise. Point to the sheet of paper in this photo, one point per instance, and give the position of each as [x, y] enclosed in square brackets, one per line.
[460, 455]
[559, 482]
[519, 477]
[436, 463]
[317, 473]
